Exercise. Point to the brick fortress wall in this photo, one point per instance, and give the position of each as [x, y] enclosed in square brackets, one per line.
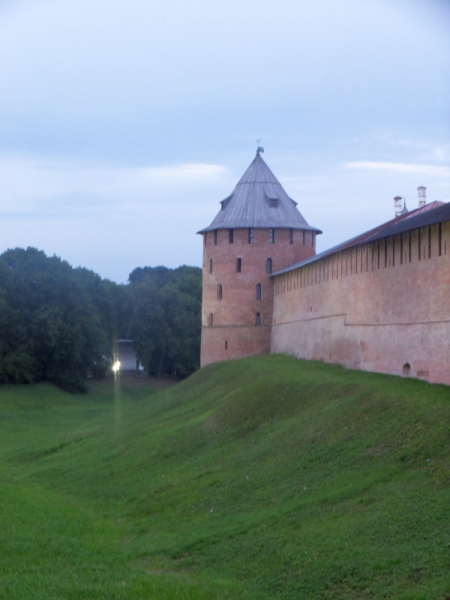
[383, 306]
[229, 313]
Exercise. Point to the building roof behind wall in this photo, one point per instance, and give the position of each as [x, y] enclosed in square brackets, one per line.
[430, 214]
[258, 201]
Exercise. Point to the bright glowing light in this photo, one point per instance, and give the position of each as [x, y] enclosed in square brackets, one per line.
[116, 366]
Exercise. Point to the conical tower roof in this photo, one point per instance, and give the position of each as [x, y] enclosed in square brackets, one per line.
[258, 201]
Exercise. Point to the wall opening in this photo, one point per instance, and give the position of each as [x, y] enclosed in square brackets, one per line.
[215, 237]
[258, 291]
[230, 236]
[238, 265]
[406, 370]
[226, 345]
[210, 265]
[219, 291]
[210, 319]
[250, 236]
[258, 319]
[271, 235]
[269, 265]
[291, 236]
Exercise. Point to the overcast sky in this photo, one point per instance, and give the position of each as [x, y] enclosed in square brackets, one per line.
[124, 123]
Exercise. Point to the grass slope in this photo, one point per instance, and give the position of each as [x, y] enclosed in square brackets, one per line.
[261, 478]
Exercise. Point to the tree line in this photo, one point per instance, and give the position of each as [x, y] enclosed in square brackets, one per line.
[59, 323]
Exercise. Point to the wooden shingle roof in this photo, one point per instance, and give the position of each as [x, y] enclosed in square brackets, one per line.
[258, 201]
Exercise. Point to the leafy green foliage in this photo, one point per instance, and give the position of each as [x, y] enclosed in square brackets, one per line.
[167, 318]
[58, 323]
[55, 321]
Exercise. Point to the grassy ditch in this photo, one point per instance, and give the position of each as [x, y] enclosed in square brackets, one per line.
[261, 478]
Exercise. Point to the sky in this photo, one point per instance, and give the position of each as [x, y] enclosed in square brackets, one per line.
[123, 124]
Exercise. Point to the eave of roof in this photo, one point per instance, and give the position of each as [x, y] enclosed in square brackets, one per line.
[430, 214]
[250, 203]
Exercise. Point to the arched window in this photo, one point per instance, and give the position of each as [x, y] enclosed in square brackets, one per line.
[219, 291]
[269, 265]
[210, 319]
[406, 370]
[258, 291]
[258, 319]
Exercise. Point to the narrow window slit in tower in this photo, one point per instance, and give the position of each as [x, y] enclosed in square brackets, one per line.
[210, 265]
[429, 241]
[269, 265]
[291, 236]
[401, 248]
[419, 245]
[215, 237]
[210, 319]
[226, 345]
[258, 291]
[238, 265]
[440, 239]
[271, 235]
[219, 291]
[204, 238]
[258, 319]
[230, 236]
[250, 236]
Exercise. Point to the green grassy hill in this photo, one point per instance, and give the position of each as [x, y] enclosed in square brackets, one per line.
[259, 479]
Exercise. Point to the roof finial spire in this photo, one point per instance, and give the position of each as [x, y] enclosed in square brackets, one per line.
[259, 149]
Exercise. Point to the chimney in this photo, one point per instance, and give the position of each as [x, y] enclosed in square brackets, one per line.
[398, 205]
[422, 191]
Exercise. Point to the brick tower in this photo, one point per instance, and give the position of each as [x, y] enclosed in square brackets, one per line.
[257, 231]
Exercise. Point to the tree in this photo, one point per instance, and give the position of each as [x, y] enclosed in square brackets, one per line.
[55, 322]
[167, 318]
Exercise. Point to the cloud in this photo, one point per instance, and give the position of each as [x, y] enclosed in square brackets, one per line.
[402, 168]
[47, 188]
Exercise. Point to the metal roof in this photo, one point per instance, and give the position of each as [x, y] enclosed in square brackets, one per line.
[430, 214]
[258, 201]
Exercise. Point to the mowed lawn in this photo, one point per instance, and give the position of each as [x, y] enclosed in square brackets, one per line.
[261, 478]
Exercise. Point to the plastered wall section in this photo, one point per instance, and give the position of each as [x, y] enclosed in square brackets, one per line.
[383, 307]
[229, 313]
